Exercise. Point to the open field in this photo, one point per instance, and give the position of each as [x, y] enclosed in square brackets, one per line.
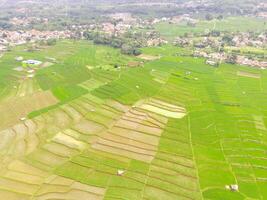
[173, 134]
[231, 24]
[247, 50]
[19, 107]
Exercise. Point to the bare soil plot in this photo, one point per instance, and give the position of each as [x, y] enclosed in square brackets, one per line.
[116, 105]
[20, 139]
[47, 64]
[69, 141]
[17, 108]
[88, 127]
[48, 158]
[57, 187]
[88, 188]
[8, 195]
[20, 181]
[148, 57]
[134, 64]
[73, 113]
[7, 137]
[135, 135]
[15, 186]
[19, 69]
[153, 116]
[129, 141]
[23, 167]
[22, 177]
[259, 122]
[58, 180]
[123, 152]
[27, 87]
[163, 108]
[248, 74]
[163, 112]
[51, 188]
[92, 84]
[72, 194]
[60, 149]
[60, 119]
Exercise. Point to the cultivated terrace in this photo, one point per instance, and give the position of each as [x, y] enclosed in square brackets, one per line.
[133, 100]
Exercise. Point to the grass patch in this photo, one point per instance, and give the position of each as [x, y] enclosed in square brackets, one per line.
[68, 93]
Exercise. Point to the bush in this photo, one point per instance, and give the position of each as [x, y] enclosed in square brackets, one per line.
[51, 42]
[209, 17]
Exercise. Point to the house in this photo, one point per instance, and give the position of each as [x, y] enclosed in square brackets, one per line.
[31, 63]
[120, 172]
[212, 62]
[19, 58]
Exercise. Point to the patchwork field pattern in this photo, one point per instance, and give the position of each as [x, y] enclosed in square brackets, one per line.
[174, 128]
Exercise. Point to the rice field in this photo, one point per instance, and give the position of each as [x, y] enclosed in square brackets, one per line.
[174, 128]
[231, 24]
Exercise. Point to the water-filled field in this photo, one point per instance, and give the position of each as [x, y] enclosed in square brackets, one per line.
[88, 126]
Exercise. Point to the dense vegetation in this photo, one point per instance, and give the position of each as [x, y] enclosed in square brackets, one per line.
[129, 43]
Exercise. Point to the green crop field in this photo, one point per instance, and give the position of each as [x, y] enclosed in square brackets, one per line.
[87, 126]
[231, 24]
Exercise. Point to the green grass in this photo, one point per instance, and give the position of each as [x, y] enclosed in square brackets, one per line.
[247, 50]
[230, 24]
[77, 64]
[36, 113]
[68, 93]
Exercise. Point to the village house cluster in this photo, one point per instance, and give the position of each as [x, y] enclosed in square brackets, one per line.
[219, 48]
[116, 25]
[120, 23]
[219, 57]
[12, 38]
[246, 39]
[263, 8]
[215, 46]
[185, 18]
[217, 39]
[25, 21]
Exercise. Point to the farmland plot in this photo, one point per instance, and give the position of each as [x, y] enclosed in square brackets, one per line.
[18, 107]
[172, 129]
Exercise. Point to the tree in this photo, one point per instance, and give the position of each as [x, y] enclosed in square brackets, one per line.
[215, 33]
[209, 17]
[191, 24]
[127, 49]
[116, 66]
[130, 50]
[227, 39]
[88, 35]
[231, 59]
[220, 17]
[116, 43]
[51, 42]
[137, 52]
[5, 25]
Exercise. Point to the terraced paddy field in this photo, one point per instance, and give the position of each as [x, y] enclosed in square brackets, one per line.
[174, 128]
